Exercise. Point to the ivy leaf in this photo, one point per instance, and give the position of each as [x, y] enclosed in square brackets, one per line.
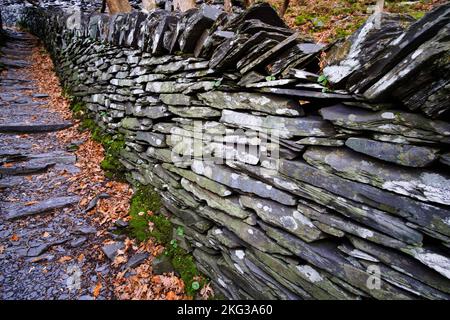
[195, 285]
[180, 231]
[323, 80]
[270, 78]
[174, 243]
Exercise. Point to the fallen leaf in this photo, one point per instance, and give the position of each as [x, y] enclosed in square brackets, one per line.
[30, 203]
[97, 289]
[80, 257]
[171, 295]
[64, 259]
[46, 234]
[8, 165]
[2, 249]
[14, 237]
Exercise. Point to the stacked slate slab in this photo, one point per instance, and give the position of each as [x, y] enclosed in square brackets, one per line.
[285, 189]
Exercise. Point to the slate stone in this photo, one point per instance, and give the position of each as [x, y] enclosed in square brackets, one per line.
[406, 155]
[326, 258]
[364, 45]
[78, 242]
[414, 36]
[229, 205]
[241, 182]
[285, 217]
[389, 122]
[136, 260]
[202, 20]
[43, 206]
[424, 185]
[32, 127]
[110, 250]
[430, 86]
[247, 233]
[404, 264]
[153, 139]
[282, 127]
[176, 99]
[307, 185]
[245, 100]
[195, 112]
[203, 182]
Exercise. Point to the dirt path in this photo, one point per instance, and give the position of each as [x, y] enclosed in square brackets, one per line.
[48, 244]
[58, 211]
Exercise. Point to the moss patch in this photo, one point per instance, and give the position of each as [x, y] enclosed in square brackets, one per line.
[144, 206]
[184, 264]
[112, 144]
[145, 199]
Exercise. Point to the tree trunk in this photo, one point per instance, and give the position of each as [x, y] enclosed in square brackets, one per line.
[227, 6]
[183, 5]
[148, 5]
[248, 3]
[379, 7]
[103, 9]
[284, 7]
[118, 6]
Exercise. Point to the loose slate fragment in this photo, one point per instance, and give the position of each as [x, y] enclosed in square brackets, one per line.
[33, 127]
[43, 206]
[403, 154]
[246, 100]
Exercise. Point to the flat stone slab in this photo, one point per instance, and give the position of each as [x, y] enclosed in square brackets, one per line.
[26, 168]
[43, 206]
[32, 127]
[403, 154]
[110, 250]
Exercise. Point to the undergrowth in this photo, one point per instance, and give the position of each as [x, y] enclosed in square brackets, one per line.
[144, 205]
[144, 208]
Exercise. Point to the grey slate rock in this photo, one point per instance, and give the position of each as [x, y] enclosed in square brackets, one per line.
[110, 250]
[43, 206]
[136, 260]
[405, 155]
[425, 185]
[250, 101]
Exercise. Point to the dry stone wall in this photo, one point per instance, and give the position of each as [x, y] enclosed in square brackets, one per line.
[324, 193]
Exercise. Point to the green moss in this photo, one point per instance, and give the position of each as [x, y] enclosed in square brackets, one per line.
[146, 199]
[112, 144]
[184, 264]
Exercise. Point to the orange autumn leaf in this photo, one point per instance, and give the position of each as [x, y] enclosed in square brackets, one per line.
[8, 165]
[64, 259]
[97, 289]
[80, 257]
[171, 295]
[14, 237]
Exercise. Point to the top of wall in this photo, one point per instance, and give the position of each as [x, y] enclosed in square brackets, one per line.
[384, 61]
